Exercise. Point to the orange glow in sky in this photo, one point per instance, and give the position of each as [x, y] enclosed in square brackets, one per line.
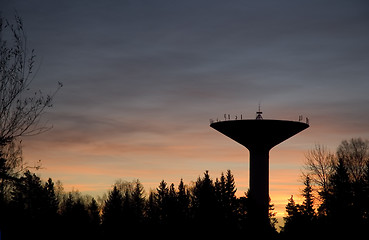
[92, 168]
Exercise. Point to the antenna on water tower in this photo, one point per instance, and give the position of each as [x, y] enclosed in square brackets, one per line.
[258, 114]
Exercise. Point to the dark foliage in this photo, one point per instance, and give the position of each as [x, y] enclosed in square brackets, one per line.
[21, 110]
[207, 208]
[343, 200]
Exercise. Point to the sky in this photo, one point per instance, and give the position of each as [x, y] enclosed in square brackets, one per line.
[142, 78]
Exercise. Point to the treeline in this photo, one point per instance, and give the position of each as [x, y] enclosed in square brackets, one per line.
[336, 194]
[33, 208]
[335, 204]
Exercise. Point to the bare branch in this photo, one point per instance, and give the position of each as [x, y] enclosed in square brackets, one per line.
[20, 108]
[319, 163]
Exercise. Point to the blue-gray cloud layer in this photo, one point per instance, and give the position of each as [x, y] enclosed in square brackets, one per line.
[190, 60]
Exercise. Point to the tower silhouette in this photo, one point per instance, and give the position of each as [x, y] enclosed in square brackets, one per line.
[259, 136]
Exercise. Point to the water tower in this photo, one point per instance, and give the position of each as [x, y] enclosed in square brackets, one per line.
[259, 136]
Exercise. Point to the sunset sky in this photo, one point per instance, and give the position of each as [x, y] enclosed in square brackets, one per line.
[142, 78]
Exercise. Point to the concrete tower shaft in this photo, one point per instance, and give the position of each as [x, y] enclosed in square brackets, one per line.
[259, 136]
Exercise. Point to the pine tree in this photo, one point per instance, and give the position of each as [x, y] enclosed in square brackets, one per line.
[93, 212]
[127, 215]
[33, 199]
[220, 191]
[341, 194]
[341, 204]
[293, 220]
[113, 213]
[94, 220]
[292, 209]
[152, 211]
[308, 204]
[138, 203]
[340, 199]
[172, 205]
[366, 196]
[74, 216]
[162, 198]
[183, 203]
[30, 205]
[230, 195]
[53, 202]
[205, 204]
[301, 218]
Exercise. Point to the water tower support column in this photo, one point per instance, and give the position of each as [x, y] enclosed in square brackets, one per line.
[259, 182]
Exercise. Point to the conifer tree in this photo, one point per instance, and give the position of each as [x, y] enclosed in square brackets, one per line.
[29, 206]
[301, 218]
[93, 212]
[94, 230]
[366, 196]
[230, 194]
[183, 202]
[340, 199]
[205, 203]
[293, 220]
[308, 203]
[292, 209]
[127, 215]
[172, 205]
[113, 213]
[138, 203]
[53, 202]
[30, 197]
[162, 200]
[152, 210]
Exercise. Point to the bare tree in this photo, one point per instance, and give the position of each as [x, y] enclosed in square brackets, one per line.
[355, 155]
[320, 162]
[20, 107]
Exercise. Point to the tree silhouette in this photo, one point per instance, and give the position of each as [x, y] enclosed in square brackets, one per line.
[152, 211]
[172, 206]
[75, 216]
[293, 220]
[162, 197]
[53, 202]
[341, 197]
[301, 218]
[225, 190]
[308, 203]
[208, 208]
[11, 167]
[243, 208]
[206, 215]
[21, 109]
[344, 194]
[138, 204]
[365, 198]
[355, 156]
[32, 205]
[221, 195]
[183, 205]
[112, 218]
[230, 198]
[94, 220]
